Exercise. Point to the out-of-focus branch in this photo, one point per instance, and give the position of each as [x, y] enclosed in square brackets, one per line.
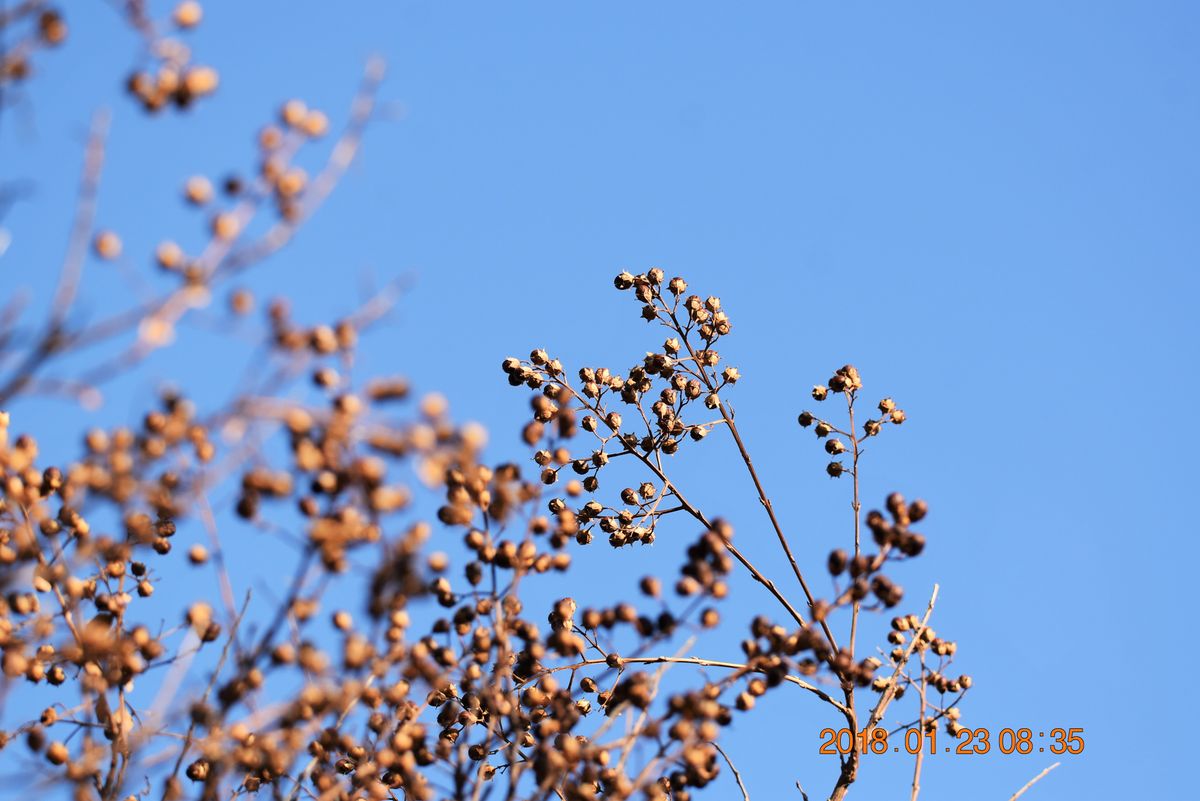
[52, 339]
[343, 155]
[155, 319]
[889, 693]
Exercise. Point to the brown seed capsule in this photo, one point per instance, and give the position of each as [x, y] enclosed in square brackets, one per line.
[198, 190]
[198, 770]
[53, 31]
[293, 113]
[56, 753]
[188, 14]
[200, 81]
[838, 560]
[169, 256]
[107, 245]
[225, 226]
[315, 124]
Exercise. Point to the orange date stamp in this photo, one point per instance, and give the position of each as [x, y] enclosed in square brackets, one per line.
[965, 742]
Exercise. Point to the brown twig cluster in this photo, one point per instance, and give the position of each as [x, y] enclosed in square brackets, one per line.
[170, 78]
[457, 677]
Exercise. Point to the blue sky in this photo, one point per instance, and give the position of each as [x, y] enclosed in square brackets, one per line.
[989, 208]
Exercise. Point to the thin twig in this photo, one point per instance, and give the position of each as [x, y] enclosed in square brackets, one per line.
[1032, 782]
[736, 775]
[52, 338]
[889, 692]
[187, 741]
[692, 660]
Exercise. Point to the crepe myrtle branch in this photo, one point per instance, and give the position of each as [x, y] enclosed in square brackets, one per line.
[691, 660]
[662, 389]
[454, 673]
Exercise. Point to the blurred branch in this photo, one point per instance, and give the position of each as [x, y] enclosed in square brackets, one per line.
[343, 155]
[51, 340]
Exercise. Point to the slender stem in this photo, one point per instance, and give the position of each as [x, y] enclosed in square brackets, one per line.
[916, 780]
[737, 776]
[889, 693]
[766, 503]
[856, 505]
[850, 767]
[695, 513]
[1032, 782]
[191, 731]
[762, 493]
[692, 660]
[52, 338]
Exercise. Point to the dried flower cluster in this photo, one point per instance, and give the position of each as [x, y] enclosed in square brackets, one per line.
[458, 675]
[677, 396]
[170, 77]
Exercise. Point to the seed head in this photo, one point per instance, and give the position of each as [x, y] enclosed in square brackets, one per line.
[107, 245]
[198, 190]
[188, 14]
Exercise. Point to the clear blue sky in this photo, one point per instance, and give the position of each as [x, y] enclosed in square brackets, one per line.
[990, 208]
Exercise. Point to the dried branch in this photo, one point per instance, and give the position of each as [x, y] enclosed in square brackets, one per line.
[1032, 782]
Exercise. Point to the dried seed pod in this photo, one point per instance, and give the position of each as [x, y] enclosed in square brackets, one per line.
[107, 245]
[188, 14]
